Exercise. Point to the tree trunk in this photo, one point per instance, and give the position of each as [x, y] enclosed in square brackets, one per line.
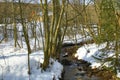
[25, 36]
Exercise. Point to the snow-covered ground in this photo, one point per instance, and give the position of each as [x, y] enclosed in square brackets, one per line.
[85, 52]
[13, 64]
[13, 61]
[76, 39]
[92, 51]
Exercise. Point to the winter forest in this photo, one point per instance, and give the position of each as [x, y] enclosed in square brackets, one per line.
[59, 39]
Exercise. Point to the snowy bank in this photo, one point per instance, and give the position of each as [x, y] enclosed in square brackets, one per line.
[13, 65]
[87, 51]
[92, 51]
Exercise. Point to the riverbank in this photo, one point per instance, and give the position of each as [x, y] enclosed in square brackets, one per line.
[75, 69]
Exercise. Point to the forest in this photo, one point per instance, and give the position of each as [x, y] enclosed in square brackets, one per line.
[59, 40]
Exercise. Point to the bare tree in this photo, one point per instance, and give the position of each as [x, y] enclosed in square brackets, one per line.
[53, 35]
[25, 34]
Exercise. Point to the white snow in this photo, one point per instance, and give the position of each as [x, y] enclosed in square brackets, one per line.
[87, 51]
[118, 74]
[76, 39]
[13, 64]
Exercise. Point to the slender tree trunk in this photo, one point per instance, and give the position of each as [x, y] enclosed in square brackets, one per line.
[46, 30]
[14, 24]
[25, 36]
[53, 35]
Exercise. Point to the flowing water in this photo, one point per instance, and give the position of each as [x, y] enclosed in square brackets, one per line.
[75, 69]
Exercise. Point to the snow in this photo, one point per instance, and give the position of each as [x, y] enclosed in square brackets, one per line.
[118, 74]
[87, 52]
[76, 39]
[13, 64]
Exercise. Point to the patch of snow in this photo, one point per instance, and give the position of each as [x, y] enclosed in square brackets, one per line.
[118, 74]
[95, 50]
[13, 64]
[87, 51]
[76, 39]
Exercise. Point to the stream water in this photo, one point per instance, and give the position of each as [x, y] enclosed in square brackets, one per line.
[75, 69]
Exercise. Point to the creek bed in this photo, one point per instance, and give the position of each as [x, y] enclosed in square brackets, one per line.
[75, 69]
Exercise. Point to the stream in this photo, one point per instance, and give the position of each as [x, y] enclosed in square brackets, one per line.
[75, 69]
